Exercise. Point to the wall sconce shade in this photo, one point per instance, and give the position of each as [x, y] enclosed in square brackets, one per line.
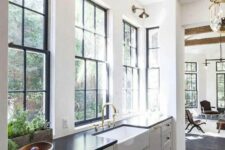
[143, 15]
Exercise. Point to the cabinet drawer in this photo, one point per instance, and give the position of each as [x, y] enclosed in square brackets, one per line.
[167, 146]
[167, 126]
[167, 136]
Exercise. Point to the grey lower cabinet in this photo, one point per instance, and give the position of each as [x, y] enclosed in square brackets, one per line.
[161, 136]
[155, 138]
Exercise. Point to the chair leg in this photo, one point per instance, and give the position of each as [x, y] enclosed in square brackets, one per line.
[187, 126]
[191, 128]
[199, 128]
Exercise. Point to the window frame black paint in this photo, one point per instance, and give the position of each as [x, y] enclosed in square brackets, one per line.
[44, 51]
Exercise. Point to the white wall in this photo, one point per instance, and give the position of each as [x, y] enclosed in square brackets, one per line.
[195, 13]
[3, 72]
[211, 84]
[62, 66]
[166, 14]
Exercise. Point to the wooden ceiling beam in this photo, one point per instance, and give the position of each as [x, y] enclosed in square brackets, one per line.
[204, 41]
[198, 30]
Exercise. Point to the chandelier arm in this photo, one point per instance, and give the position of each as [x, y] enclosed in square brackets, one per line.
[221, 51]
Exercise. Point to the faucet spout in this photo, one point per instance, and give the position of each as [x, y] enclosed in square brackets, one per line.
[103, 112]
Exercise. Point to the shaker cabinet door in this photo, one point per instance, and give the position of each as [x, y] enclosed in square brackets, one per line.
[155, 140]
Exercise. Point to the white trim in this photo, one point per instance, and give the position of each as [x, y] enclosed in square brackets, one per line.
[3, 72]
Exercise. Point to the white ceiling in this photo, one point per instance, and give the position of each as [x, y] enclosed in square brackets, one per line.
[187, 1]
[147, 2]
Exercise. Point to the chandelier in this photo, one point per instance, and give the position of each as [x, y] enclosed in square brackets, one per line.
[217, 15]
[220, 59]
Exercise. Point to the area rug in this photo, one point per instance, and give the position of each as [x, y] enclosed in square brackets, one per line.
[203, 142]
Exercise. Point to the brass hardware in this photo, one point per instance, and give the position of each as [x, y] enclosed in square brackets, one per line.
[109, 123]
[96, 127]
[114, 115]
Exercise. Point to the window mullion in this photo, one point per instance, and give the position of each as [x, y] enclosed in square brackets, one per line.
[85, 89]
[97, 89]
[25, 80]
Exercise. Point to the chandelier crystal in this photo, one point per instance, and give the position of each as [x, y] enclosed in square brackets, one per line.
[217, 15]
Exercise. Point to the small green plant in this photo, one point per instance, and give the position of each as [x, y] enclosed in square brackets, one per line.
[39, 123]
[18, 125]
[12, 145]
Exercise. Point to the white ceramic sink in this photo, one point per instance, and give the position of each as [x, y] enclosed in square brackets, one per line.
[127, 137]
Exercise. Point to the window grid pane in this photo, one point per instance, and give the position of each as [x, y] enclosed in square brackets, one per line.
[91, 90]
[220, 66]
[220, 90]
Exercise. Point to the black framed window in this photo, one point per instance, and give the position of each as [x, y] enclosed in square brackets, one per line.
[220, 90]
[28, 57]
[153, 69]
[220, 66]
[191, 86]
[190, 66]
[91, 67]
[130, 68]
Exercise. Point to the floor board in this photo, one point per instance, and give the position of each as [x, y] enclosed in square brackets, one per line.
[203, 142]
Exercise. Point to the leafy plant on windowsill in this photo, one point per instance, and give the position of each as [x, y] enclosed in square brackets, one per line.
[19, 124]
[23, 130]
[12, 145]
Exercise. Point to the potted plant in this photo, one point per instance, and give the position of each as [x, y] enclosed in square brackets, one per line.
[22, 131]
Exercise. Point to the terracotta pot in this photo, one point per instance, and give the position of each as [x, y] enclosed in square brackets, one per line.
[38, 146]
[42, 135]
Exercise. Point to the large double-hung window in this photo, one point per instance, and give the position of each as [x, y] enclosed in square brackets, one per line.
[220, 85]
[191, 87]
[153, 69]
[28, 57]
[91, 67]
[130, 68]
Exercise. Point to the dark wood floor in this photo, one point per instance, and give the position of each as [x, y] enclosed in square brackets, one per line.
[199, 142]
